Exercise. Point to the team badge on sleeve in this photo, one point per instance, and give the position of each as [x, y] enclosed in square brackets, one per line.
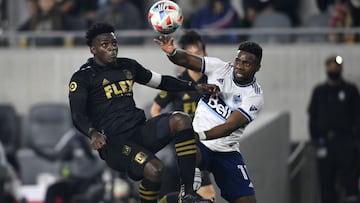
[72, 86]
[163, 94]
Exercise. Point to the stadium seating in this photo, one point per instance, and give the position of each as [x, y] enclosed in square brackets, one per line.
[44, 126]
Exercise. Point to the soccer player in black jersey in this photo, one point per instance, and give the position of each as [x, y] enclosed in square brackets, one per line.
[103, 108]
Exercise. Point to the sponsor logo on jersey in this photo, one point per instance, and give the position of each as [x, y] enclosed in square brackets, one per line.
[218, 106]
[120, 88]
[140, 157]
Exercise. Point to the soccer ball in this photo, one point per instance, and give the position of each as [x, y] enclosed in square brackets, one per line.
[165, 16]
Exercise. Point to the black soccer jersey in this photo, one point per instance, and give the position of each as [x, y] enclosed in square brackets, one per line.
[326, 101]
[185, 101]
[102, 97]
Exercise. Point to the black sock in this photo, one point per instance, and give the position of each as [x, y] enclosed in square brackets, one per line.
[186, 152]
[172, 197]
[149, 191]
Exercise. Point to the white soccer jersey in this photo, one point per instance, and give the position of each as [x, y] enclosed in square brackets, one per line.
[213, 111]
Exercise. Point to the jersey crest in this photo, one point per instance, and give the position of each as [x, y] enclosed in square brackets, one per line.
[128, 74]
[237, 99]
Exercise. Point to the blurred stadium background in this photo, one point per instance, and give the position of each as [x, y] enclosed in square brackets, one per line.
[276, 145]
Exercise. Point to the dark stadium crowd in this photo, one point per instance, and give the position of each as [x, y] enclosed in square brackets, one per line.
[213, 15]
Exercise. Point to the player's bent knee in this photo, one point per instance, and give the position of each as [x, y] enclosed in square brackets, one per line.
[180, 121]
[153, 170]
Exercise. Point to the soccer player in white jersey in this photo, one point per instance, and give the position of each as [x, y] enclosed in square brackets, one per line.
[220, 120]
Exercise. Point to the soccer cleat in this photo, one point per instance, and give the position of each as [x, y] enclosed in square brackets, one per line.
[194, 198]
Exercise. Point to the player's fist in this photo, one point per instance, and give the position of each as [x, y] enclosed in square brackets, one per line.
[207, 89]
[98, 140]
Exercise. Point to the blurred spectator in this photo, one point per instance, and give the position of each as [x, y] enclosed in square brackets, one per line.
[290, 8]
[269, 17]
[253, 7]
[218, 14]
[189, 8]
[344, 14]
[81, 12]
[319, 19]
[334, 120]
[3, 13]
[47, 18]
[355, 12]
[80, 169]
[324, 5]
[353, 20]
[3, 21]
[123, 15]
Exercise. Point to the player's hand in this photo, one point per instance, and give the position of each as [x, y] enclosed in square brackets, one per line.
[166, 43]
[207, 89]
[98, 140]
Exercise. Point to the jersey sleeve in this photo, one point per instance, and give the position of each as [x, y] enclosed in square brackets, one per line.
[78, 94]
[210, 64]
[164, 98]
[251, 106]
[143, 75]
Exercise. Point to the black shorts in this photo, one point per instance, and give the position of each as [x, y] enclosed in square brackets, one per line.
[131, 155]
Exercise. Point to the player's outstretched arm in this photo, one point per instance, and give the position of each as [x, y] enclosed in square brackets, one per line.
[234, 122]
[179, 56]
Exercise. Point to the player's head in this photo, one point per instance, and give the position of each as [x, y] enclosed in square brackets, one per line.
[333, 65]
[192, 42]
[101, 39]
[247, 62]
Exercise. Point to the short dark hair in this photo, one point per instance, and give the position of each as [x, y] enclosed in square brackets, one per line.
[97, 29]
[191, 37]
[253, 48]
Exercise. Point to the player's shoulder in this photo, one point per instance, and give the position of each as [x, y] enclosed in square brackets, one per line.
[320, 87]
[84, 68]
[351, 85]
[210, 59]
[216, 64]
[184, 75]
[125, 60]
[128, 63]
